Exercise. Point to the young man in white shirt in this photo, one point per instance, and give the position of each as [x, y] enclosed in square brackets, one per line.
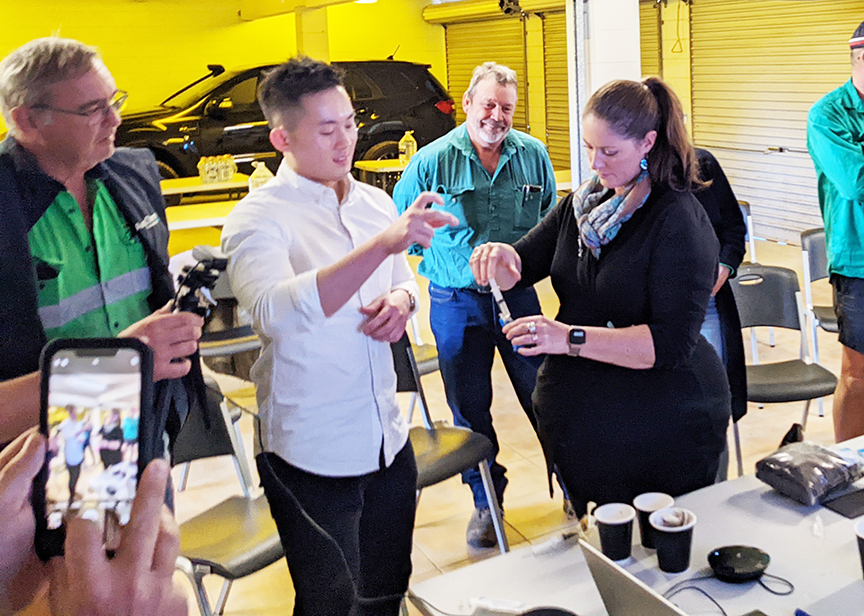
[318, 261]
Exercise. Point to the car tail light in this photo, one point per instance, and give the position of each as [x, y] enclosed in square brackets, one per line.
[445, 107]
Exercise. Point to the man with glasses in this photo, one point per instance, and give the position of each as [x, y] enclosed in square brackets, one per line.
[83, 235]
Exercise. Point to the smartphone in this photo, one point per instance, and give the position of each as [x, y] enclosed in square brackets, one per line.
[96, 412]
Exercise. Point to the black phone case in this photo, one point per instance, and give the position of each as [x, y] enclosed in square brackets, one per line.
[49, 542]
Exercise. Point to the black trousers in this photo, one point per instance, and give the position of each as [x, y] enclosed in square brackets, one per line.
[347, 540]
[74, 474]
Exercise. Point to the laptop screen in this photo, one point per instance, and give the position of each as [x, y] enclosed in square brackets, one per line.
[624, 594]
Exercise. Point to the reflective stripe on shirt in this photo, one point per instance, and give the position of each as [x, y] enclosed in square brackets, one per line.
[95, 297]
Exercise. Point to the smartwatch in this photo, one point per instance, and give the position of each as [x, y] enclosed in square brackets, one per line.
[576, 338]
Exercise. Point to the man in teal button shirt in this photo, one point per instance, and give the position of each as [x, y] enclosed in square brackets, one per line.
[835, 139]
[498, 182]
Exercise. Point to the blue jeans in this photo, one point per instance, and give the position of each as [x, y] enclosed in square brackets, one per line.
[467, 332]
[713, 333]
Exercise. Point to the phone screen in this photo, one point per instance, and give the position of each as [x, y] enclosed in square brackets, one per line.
[93, 415]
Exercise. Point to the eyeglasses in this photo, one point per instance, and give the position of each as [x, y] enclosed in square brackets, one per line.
[94, 112]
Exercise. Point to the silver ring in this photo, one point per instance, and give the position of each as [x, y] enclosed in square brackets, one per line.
[532, 329]
[534, 337]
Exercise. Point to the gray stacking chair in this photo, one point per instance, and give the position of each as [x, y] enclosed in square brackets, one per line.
[230, 341]
[234, 539]
[444, 451]
[768, 296]
[222, 438]
[425, 356]
[815, 261]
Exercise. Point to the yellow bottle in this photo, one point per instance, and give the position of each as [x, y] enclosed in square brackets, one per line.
[407, 147]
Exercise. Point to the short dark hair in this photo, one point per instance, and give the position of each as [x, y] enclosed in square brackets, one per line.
[283, 87]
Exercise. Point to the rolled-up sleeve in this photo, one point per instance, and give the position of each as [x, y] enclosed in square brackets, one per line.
[683, 270]
[263, 279]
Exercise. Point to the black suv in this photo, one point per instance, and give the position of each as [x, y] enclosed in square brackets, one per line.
[219, 114]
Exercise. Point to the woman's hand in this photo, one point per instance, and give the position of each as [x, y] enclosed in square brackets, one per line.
[538, 335]
[498, 261]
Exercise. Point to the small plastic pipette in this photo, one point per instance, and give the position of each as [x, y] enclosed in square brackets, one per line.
[504, 316]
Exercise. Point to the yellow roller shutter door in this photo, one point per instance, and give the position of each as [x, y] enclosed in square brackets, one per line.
[557, 110]
[757, 67]
[649, 31]
[471, 44]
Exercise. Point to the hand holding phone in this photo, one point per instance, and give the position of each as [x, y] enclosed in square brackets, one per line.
[96, 398]
[138, 579]
[21, 574]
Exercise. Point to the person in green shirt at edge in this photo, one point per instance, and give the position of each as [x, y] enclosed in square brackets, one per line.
[93, 218]
[498, 182]
[835, 140]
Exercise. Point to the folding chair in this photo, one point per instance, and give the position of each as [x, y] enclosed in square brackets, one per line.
[769, 296]
[444, 451]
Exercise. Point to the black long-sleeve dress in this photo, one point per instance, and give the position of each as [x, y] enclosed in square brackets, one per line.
[616, 432]
[722, 208]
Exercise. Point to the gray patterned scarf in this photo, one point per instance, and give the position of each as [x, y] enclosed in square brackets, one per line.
[599, 221]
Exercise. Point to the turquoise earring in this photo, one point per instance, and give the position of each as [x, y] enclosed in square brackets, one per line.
[643, 164]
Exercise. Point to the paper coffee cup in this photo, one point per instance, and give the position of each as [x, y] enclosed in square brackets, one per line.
[615, 523]
[673, 537]
[646, 504]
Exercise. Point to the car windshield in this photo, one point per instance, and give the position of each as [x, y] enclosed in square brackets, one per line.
[197, 92]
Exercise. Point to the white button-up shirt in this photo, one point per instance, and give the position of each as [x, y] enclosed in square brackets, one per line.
[326, 392]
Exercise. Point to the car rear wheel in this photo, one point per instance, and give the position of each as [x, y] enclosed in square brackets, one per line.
[166, 171]
[386, 150]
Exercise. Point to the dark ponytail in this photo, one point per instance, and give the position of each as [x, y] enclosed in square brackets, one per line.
[632, 109]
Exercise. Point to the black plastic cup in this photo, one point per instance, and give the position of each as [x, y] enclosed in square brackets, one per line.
[646, 504]
[673, 540]
[615, 523]
[859, 532]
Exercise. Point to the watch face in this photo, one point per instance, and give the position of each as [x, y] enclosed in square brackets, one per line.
[577, 336]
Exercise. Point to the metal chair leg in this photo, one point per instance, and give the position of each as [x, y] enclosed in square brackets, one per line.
[738, 449]
[411, 408]
[806, 411]
[754, 347]
[241, 464]
[184, 477]
[223, 597]
[494, 506]
[196, 577]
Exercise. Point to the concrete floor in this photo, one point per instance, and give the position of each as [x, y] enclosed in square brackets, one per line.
[532, 517]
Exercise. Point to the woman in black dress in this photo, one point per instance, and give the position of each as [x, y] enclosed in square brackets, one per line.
[631, 398]
[110, 440]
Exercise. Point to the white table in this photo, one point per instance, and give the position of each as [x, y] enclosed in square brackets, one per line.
[812, 547]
